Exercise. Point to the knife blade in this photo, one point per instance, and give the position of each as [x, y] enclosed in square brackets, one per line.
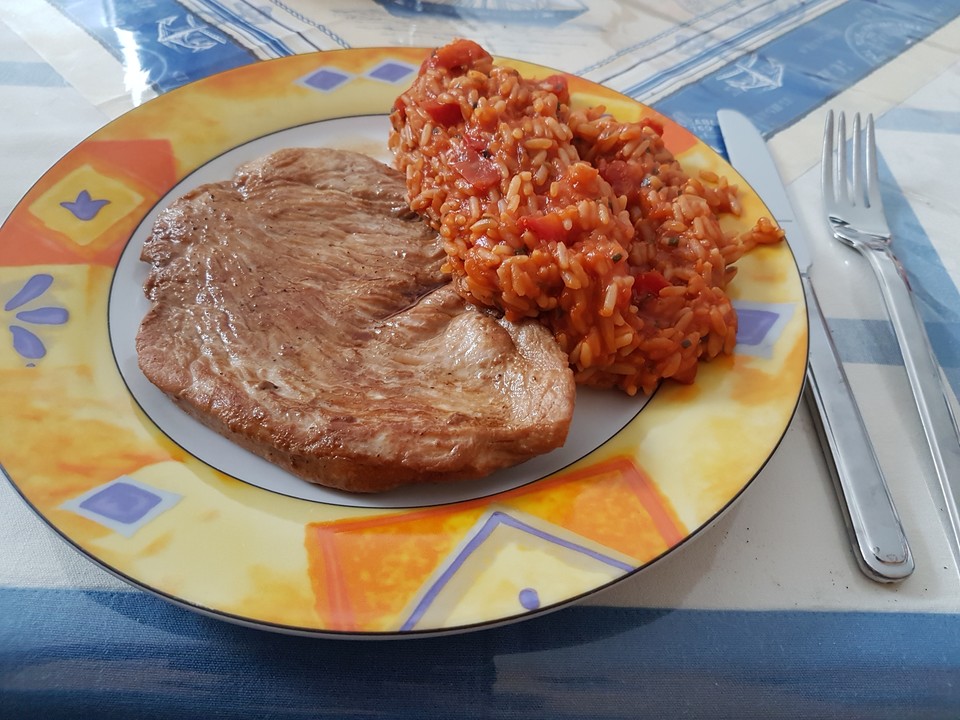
[880, 544]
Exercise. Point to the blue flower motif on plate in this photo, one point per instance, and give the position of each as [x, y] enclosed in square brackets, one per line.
[84, 208]
[27, 343]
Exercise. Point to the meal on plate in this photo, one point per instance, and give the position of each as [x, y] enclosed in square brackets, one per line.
[300, 310]
[571, 217]
[366, 329]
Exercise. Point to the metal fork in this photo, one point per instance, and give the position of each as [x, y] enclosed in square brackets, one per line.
[855, 213]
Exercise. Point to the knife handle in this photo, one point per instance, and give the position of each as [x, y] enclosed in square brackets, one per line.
[883, 551]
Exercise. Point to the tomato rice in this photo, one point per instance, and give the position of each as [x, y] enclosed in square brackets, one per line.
[572, 217]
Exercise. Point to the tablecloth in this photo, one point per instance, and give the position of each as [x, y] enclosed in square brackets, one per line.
[764, 613]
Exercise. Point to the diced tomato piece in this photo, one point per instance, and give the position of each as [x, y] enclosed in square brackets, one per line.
[443, 113]
[400, 111]
[557, 84]
[648, 283]
[650, 122]
[578, 181]
[473, 138]
[583, 178]
[624, 178]
[475, 169]
[548, 228]
[458, 54]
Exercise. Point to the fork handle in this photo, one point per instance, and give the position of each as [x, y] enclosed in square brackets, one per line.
[883, 551]
[926, 381]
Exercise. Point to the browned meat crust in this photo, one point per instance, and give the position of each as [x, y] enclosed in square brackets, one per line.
[300, 310]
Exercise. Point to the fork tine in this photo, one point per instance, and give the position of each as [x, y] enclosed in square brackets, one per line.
[826, 162]
[842, 193]
[873, 178]
[857, 166]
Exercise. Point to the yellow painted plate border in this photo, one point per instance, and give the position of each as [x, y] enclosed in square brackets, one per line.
[77, 447]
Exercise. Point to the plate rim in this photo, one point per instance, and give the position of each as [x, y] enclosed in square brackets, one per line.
[272, 626]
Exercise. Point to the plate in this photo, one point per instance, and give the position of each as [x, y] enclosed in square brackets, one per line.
[153, 497]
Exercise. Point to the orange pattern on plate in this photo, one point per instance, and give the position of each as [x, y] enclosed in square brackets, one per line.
[58, 237]
[316, 566]
[365, 571]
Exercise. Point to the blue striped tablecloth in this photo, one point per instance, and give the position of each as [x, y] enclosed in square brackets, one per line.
[762, 615]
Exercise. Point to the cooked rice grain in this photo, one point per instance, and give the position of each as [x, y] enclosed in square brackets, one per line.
[570, 216]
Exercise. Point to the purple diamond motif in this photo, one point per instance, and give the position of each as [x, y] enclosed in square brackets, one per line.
[390, 72]
[122, 502]
[124, 505]
[325, 79]
[754, 325]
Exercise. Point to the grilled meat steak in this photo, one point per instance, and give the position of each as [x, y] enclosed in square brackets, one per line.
[300, 310]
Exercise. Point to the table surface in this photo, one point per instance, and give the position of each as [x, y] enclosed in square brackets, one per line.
[763, 614]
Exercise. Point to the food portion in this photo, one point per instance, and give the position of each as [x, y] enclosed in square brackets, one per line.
[301, 310]
[574, 218]
[306, 310]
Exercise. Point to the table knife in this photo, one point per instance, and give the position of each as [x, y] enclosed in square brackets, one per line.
[877, 535]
